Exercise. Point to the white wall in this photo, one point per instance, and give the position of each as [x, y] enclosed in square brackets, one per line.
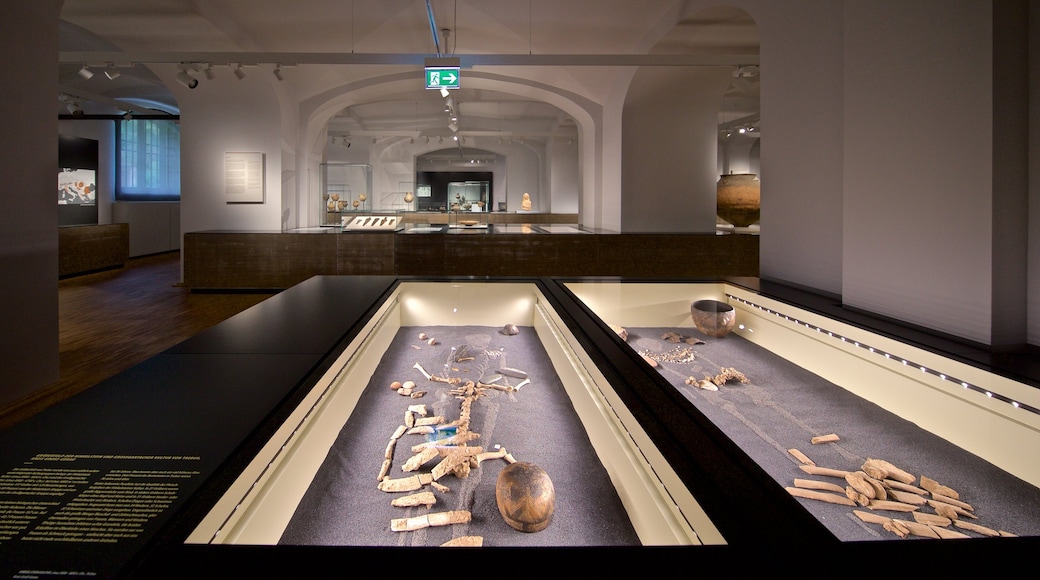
[918, 227]
[670, 146]
[228, 115]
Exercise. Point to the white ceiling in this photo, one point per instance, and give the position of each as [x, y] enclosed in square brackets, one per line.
[326, 43]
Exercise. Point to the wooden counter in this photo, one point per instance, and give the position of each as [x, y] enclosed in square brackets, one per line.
[90, 248]
[278, 260]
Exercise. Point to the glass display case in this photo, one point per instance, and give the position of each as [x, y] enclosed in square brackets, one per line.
[408, 438]
[821, 405]
[345, 189]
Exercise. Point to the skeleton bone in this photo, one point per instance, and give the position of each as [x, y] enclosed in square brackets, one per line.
[423, 371]
[522, 383]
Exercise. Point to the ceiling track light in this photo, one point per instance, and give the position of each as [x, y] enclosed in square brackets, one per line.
[186, 79]
[238, 72]
[208, 72]
[75, 109]
[85, 72]
[111, 73]
[278, 72]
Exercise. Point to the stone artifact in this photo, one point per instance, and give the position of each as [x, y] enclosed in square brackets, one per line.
[712, 317]
[362, 197]
[525, 203]
[408, 197]
[739, 199]
[356, 203]
[525, 496]
[829, 438]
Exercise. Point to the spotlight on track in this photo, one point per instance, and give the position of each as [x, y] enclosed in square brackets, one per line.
[85, 72]
[187, 80]
[239, 73]
[278, 72]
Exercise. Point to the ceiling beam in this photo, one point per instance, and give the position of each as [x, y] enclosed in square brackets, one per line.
[120, 58]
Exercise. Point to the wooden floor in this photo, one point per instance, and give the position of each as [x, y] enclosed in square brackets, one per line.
[112, 320]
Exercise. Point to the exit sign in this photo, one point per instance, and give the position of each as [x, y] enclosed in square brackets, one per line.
[442, 77]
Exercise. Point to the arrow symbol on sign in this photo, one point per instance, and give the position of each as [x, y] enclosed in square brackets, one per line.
[451, 78]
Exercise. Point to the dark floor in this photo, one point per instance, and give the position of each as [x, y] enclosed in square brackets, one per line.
[110, 321]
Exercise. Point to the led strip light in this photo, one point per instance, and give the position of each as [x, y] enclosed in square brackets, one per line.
[890, 356]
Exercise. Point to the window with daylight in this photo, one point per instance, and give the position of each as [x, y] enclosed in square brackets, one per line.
[149, 163]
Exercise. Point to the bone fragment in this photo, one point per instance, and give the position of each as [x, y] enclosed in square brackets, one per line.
[976, 528]
[906, 497]
[409, 419]
[1004, 534]
[411, 483]
[422, 421]
[398, 432]
[857, 479]
[464, 542]
[522, 383]
[900, 486]
[946, 510]
[871, 518]
[419, 410]
[947, 533]
[457, 439]
[897, 527]
[482, 457]
[931, 519]
[389, 452]
[818, 485]
[816, 470]
[937, 488]
[892, 506]
[890, 471]
[420, 368]
[917, 529]
[801, 457]
[455, 458]
[820, 496]
[419, 459]
[511, 372]
[830, 438]
[425, 498]
[384, 470]
[420, 430]
[859, 498]
[440, 487]
[950, 510]
[429, 520]
[417, 394]
[952, 501]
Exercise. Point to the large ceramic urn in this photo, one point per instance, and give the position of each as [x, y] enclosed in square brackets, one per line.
[738, 199]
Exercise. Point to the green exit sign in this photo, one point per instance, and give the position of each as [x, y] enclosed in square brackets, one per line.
[442, 77]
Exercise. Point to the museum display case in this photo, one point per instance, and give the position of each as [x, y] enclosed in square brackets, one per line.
[331, 455]
[345, 189]
[819, 403]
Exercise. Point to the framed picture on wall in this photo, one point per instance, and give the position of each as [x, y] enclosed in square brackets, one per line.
[244, 177]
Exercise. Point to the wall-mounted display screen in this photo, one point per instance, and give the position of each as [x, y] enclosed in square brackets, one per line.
[77, 181]
[77, 186]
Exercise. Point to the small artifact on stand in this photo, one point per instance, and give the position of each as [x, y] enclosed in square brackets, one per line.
[356, 204]
[712, 317]
[525, 203]
[525, 496]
